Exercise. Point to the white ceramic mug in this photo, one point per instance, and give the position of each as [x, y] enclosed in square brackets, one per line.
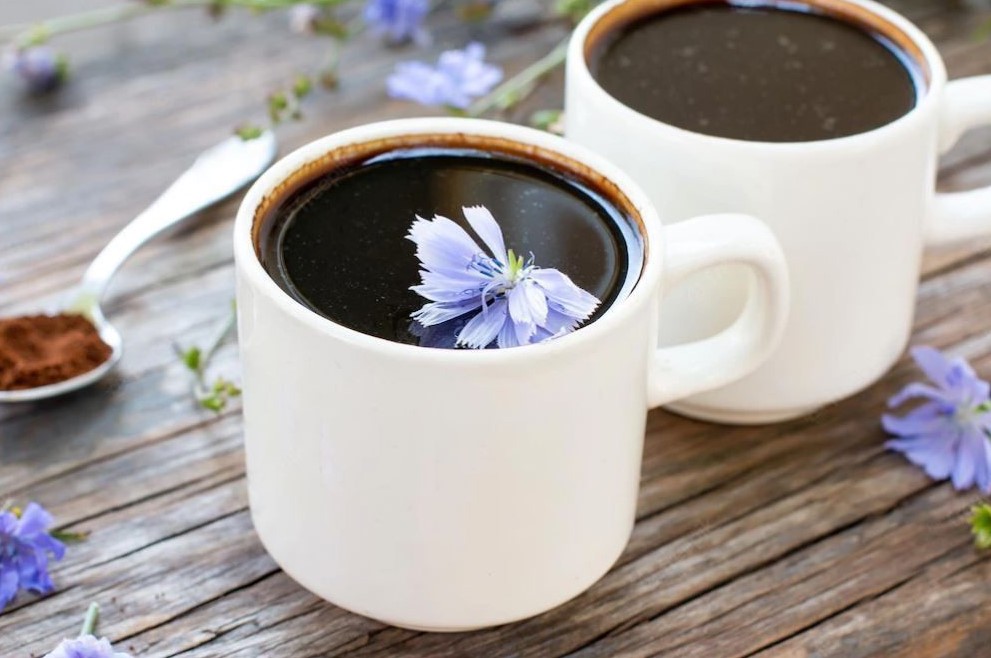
[852, 214]
[454, 489]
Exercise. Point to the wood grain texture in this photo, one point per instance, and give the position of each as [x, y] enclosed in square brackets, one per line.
[799, 540]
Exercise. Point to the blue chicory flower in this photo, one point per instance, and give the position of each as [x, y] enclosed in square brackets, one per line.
[514, 302]
[948, 434]
[459, 77]
[25, 545]
[38, 67]
[86, 646]
[399, 20]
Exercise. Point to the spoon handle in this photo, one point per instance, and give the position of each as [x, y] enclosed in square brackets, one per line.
[216, 174]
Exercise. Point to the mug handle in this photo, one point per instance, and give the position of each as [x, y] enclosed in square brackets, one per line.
[960, 216]
[704, 242]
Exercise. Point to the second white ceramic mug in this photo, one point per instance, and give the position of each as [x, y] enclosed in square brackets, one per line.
[453, 489]
[853, 215]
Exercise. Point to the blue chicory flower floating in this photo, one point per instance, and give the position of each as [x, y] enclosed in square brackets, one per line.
[25, 546]
[459, 77]
[514, 302]
[399, 20]
[947, 435]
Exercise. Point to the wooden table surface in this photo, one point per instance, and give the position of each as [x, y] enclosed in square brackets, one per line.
[802, 539]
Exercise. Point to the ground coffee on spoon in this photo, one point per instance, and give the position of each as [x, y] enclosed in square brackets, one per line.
[38, 350]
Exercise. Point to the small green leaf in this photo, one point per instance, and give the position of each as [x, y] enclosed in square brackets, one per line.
[331, 27]
[249, 131]
[37, 36]
[214, 403]
[574, 9]
[548, 120]
[70, 537]
[277, 104]
[302, 86]
[192, 358]
[61, 67]
[219, 394]
[980, 525]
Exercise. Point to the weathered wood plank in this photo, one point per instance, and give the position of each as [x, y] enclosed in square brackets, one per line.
[807, 586]
[952, 607]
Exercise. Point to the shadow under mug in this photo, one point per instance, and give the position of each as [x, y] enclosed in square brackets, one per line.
[455, 489]
[852, 215]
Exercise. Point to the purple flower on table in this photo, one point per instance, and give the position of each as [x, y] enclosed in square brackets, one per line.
[513, 301]
[38, 67]
[947, 435]
[86, 646]
[25, 547]
[459, 77]
[399, 20]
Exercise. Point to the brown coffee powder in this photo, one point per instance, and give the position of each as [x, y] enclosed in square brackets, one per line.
[37, 350]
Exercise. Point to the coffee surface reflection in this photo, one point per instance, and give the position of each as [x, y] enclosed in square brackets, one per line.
[758, 73]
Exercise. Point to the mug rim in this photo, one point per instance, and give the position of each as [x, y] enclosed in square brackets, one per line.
[248, 263]
[577, 63]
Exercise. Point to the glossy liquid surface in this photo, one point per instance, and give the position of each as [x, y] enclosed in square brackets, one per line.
[757, 73]
[339, 246]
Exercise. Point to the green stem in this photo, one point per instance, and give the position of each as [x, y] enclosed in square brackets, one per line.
[30, 34]
[26, 34]
[215, 341]
[92, 616]
[503, 95]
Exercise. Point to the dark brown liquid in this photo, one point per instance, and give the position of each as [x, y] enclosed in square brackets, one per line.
[338, 245]
[757, 73]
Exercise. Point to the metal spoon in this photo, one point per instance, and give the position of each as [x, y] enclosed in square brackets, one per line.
[217, 173]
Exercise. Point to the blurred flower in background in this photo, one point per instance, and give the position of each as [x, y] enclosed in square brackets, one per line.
[459, 77]
[398, 20]
[38, 67]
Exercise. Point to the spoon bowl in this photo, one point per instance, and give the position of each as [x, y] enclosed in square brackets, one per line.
[216, 174]
[109, 335]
